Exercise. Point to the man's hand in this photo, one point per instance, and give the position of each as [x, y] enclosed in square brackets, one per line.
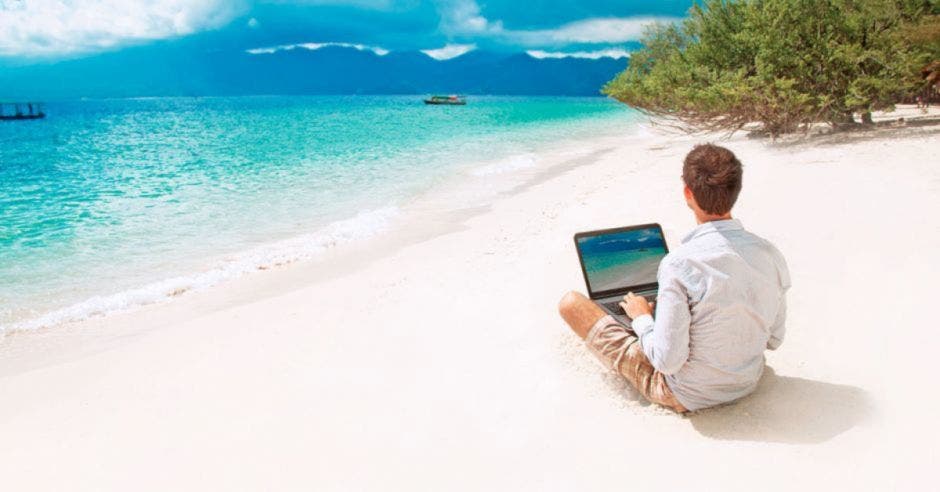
[636, 306]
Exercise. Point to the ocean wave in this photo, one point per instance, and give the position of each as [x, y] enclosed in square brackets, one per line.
[510, 164]
[307, 246]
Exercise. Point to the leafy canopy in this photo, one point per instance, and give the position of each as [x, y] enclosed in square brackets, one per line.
[782, 63]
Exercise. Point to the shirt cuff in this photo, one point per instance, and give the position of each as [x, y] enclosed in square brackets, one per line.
[643, 325]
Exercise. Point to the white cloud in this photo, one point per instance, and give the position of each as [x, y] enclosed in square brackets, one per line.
[591, 55]
[369, 4]
[63, 27]
[601, 30]
[463, 18]
[450, 51]
[54, 27]
[315, 46]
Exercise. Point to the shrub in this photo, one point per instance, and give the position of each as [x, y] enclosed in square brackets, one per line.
[782, 63]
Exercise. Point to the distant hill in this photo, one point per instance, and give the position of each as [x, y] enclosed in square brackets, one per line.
[162, 71]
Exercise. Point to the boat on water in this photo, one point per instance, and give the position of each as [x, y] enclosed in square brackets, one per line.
[21, 111]
[451, 100]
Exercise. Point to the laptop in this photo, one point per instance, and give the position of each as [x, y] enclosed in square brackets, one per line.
[621, 260]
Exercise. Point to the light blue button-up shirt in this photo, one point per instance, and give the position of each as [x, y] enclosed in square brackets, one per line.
[721, 303]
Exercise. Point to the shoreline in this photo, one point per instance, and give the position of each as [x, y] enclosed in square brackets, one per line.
[424, 217]
[476, 183]
[443, 353]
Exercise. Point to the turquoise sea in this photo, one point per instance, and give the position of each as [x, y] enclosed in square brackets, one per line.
[108, 204]
[617, 269]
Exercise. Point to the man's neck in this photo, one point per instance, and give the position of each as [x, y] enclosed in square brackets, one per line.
[703, 218]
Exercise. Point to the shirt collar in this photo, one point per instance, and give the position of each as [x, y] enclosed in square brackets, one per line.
[713, 226]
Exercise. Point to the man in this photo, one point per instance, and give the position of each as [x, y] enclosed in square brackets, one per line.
[721, 303]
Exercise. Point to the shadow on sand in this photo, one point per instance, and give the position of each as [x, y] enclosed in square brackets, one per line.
[786, 410]
[923, 126]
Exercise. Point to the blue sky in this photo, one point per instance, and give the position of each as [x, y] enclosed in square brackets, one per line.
[57, 29]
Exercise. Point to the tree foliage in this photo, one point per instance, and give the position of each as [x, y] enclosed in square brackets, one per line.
[783, 63]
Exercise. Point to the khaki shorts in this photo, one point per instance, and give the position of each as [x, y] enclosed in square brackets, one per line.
[619, 349]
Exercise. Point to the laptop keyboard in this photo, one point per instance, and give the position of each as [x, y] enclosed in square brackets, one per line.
[615, 308]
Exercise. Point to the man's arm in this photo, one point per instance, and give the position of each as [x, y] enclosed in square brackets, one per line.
[779, 328]
[665, 341]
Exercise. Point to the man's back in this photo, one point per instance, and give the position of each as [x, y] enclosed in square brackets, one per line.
[721, 302]
[734, 283]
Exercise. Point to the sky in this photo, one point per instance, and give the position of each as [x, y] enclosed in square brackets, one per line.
[51, 30]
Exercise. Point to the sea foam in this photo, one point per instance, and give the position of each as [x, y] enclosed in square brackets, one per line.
[510, 164]
[304, 247]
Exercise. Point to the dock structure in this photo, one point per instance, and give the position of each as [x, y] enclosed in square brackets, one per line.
[21, 111]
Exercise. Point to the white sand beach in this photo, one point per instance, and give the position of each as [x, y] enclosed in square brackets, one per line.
[433, 358]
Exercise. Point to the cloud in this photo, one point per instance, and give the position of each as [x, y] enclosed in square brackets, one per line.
[463, 18]
[591, 55]
[450, 51]
[368, 4]
[56, 27]
[601, 30]
[50, 28]
[315, 46]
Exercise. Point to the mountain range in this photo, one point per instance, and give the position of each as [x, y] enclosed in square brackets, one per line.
[159, 71]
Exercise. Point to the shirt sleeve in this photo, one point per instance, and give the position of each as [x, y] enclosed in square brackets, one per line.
[665, 340]
[779, 328]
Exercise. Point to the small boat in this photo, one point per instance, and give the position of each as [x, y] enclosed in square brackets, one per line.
[33, 111]
[447, 100]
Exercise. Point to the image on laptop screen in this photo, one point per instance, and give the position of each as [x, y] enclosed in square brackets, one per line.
[622, 259]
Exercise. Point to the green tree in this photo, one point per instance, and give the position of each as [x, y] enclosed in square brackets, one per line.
[782, 63]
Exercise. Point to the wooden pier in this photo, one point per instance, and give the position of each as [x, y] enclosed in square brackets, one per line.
[21, 111]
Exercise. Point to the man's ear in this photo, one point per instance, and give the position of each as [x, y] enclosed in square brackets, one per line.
[689, 198]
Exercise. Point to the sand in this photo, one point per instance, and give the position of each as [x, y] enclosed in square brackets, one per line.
[434, 359]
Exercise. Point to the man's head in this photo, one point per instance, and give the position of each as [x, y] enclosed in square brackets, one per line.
[712, 177]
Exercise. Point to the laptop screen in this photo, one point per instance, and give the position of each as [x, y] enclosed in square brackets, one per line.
[621, 259]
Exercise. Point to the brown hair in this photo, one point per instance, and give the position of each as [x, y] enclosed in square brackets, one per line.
[713, 174]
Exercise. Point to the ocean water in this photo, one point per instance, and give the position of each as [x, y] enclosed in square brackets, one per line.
[613, 270]
[108, 204]
[622, 259]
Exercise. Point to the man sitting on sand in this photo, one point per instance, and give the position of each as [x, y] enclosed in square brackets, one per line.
[721, 303]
